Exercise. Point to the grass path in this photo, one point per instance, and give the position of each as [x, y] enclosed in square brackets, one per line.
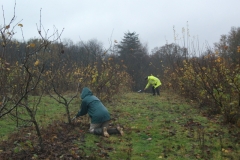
[164, 127]
[155, 127]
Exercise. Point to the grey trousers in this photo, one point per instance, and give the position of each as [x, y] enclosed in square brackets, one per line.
[98, 125]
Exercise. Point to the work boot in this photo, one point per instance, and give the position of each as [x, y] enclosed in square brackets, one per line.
[117, 130]
[112, 131]
[98, 131]
[120, 130]
[101, 131]
[105, 132]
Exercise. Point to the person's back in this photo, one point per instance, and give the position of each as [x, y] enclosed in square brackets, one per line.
[93, 106]
[98, 113]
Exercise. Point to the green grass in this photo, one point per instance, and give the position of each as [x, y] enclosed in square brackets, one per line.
[48, 111]
[165, 127]
[159, 128]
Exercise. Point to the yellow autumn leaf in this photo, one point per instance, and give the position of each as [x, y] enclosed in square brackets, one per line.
[94, 80]
[36, 63]
[225, 150]
[20, 25]
[32, 45]
[218, 60]
[54, 137]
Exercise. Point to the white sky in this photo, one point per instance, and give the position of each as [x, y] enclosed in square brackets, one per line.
[108, 20]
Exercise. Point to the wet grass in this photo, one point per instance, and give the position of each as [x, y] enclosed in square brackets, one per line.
[47, 111]
[155, 127]
[165, 127]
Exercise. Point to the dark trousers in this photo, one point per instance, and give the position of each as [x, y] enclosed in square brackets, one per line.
[154, 90]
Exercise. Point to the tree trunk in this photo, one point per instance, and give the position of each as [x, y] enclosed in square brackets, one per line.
[68, 114]
[38, 134]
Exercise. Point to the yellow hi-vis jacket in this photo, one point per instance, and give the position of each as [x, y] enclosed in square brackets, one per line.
[154, 81]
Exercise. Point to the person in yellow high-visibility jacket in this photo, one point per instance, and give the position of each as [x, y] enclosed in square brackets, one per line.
[154, 82]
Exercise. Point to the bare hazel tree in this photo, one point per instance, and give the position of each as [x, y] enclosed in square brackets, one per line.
[65, 76]
[23, 78]
[58, 81]
[6, 35]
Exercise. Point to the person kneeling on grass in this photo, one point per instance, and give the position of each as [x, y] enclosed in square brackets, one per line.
[98, 113]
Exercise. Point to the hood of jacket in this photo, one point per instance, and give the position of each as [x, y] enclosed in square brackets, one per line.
[86, 92]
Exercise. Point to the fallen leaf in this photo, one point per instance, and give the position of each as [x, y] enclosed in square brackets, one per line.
[149, 139]
[225, 150]
[54, 137]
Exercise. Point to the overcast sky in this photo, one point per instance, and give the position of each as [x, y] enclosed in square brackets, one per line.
[108, 20]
